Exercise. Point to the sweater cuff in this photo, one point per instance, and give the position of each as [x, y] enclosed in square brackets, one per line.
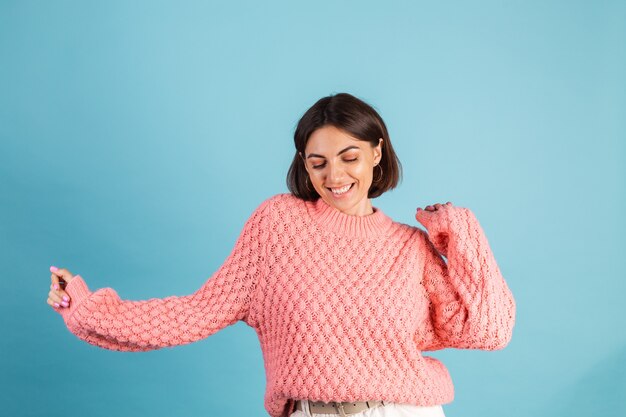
[452, 224]
[78, 291]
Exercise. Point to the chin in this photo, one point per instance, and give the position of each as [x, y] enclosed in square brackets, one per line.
[348, 206]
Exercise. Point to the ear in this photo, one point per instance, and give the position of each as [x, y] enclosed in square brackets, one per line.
[303, 161]
[378, 151]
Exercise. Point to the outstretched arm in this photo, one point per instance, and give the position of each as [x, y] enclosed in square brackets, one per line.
[471, 305]
[101, 318]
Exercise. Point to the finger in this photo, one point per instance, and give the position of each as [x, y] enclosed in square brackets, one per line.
[55, 282]
[62, 273]
[53, 303]
[64, 295]
[59, 304]
[422, 215]
[55, 297]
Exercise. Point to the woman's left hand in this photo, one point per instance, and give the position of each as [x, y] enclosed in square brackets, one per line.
[435, 220]
[435, 207]
[434, 213]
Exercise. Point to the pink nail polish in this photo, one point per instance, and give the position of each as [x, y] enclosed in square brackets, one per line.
[66, 298]
[56, 305]
[54, 269]
[56, 286]
[64, 304]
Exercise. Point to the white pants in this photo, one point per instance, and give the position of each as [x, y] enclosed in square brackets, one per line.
[387, 410]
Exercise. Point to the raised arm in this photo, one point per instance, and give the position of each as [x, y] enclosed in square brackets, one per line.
[471, 305]
[101, 318]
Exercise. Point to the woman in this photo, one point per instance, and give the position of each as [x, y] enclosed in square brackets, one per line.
[343, 299]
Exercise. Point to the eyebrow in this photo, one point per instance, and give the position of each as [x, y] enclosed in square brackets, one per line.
[314, 155]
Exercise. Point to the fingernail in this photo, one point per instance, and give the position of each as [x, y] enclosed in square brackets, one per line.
[56, 304]
[66, 298]
[64, 304]
[54, 269]
[56, 286]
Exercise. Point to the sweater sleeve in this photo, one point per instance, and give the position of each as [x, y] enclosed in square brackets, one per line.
[471, 306]
[102, 319]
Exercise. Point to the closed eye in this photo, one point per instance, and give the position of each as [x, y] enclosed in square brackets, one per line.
[320, 166]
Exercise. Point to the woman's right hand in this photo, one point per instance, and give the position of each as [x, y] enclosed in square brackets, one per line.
[57, 297]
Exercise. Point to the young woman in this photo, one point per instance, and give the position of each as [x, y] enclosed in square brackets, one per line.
[344, 300]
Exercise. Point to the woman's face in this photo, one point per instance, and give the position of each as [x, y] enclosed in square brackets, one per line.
[341, 168]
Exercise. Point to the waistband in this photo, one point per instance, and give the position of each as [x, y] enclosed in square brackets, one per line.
[341, 408]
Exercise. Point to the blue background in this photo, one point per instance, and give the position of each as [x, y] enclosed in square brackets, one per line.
[137, 138]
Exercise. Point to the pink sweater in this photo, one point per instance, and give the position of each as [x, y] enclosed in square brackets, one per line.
[343, 305]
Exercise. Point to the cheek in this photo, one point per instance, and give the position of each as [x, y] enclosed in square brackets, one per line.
[364, 172]
[316, 178]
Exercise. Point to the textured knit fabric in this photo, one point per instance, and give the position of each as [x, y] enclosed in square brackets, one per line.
[386, 410]
[343, 305]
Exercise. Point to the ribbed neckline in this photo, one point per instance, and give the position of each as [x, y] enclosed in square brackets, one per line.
[332, 219]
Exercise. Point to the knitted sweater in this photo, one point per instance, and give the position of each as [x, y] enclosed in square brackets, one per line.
[343, 305]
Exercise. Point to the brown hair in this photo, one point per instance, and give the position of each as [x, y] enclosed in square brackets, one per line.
[359, 120]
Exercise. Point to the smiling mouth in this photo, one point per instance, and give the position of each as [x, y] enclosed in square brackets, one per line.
[341, 190]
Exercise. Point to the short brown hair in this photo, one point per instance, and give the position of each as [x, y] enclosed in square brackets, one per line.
[358, 119]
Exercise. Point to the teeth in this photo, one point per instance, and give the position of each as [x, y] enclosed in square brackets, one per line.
[341, 190]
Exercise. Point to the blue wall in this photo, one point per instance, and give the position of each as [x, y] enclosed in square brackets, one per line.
[137, 137]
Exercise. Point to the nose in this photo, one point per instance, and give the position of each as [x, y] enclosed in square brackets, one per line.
[335, 174]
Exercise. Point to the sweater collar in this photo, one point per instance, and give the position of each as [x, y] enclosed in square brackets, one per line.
[332, 219]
